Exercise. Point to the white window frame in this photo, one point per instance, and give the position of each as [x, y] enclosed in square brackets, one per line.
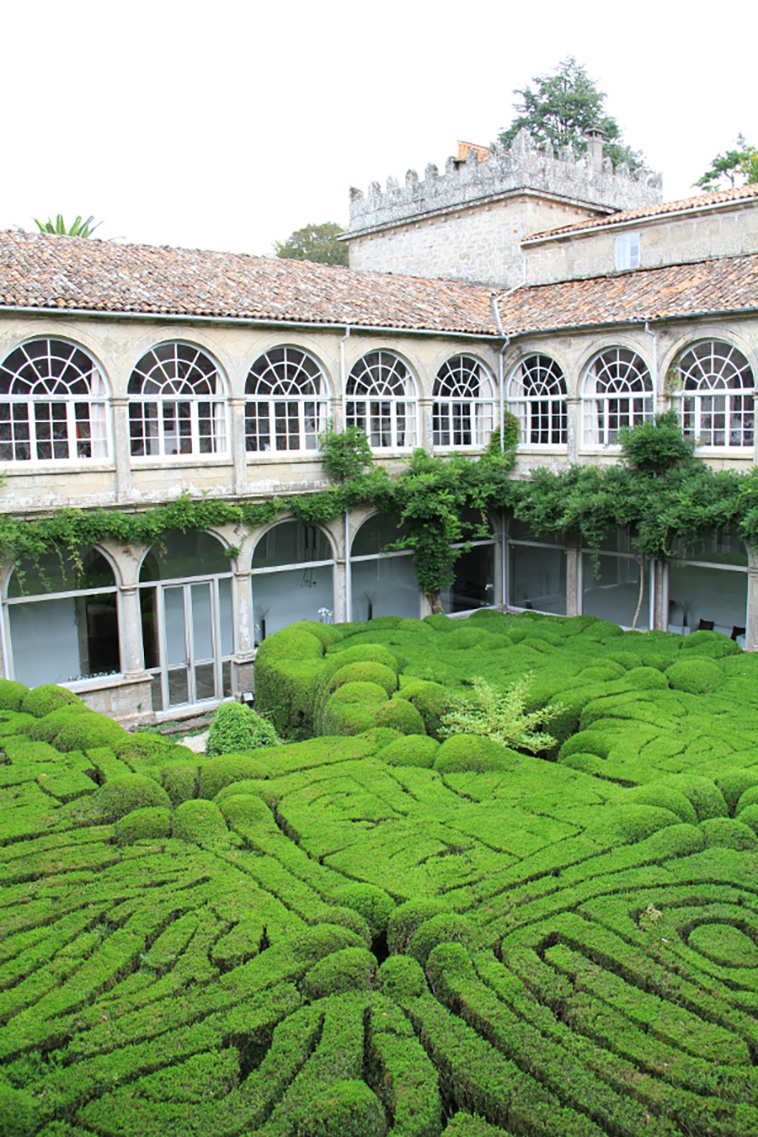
[537, 393]
[53, 405]
[617, 392]
[177, 405]
[381, 400]
[286, 403]
[627, 251]
[464, 405]
[715, 390]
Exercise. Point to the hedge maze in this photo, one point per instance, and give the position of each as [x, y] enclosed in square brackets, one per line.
[374, 930]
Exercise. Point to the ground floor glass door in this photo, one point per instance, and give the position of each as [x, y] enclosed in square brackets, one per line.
[187, 631]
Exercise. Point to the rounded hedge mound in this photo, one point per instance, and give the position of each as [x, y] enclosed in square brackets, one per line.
[46, 728]
[346, 1109]
[411, 750]
[87, 731]
[401, 977]
[201, 823]
[369, 901]
[645, 678]
[227, 769]
[144, 746]
[698, 676]
[351, 969]
[586, 742]
[430, 700]
[399, 714]
[12, 695]
[40, 701]
[470, 753]
[121, 795]
[147, 823]
[366, 671]
[407, 918]
[446, 928]
[729, 833]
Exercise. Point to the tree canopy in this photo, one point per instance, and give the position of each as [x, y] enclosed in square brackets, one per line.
[735, 167]
[314, 243]
[79, 227]
[562, 107]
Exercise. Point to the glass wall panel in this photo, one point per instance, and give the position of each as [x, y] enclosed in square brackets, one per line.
[385, 586]
[537, 578]
[291, 543]
[611, 587]
[474, 584]
[708, 583]
[180, 555]
[283, 597]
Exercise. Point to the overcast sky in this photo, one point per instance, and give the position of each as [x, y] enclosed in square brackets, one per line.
[227, 126]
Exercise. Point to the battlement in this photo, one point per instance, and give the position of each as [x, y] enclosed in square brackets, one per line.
[590, 181]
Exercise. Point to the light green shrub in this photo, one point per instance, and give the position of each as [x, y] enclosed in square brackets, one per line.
[351, 969]
[430, 700]
[200, 822]
[49, 697]
[468, 753]
[696, 675]
[87, 731]
[150, 822]
[12, 695]
[236, 728]
[411, 750]
[46, 728]
[500, 715]
[399, 714]
[369, 901]
[646, 677]
[367, 671]
[401, 977]
[120, 796]
[143, 746]
[729, 833]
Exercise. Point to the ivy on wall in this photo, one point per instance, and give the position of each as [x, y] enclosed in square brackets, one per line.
[659, 490]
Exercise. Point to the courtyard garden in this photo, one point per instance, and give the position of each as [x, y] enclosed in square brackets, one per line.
[484, 876]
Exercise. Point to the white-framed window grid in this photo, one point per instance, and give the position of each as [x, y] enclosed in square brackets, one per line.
[627, 251]
[464, 404]
[537, 397]
[53, 404]
[381, 401]
[715, 388]
[286, 407]
[618, 392]
[177, 404]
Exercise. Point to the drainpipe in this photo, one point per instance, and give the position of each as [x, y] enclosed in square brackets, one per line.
[501, 392]
[343, 395]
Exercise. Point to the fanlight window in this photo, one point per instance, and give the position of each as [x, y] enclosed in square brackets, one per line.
[176, 403]
[286, 407]
[381, 401]
[538, 398]
[463, 404]
[618, 392]
[53, 404]
[716, 388]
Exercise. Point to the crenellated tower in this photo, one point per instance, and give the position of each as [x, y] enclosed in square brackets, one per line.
[468, 222]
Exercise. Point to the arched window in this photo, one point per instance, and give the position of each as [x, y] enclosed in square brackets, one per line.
[286, 407]
[176, 403]
[382, 581]
[381, 401]
[538, 397]
[63, 618]
[292, 577]
[715, 385]
[618, 392]
[463, 404]
[53, 404]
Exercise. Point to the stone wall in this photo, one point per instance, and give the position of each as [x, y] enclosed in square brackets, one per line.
[485, 250]
[726, 230]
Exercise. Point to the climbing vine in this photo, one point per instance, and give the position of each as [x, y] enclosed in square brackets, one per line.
[659, 491]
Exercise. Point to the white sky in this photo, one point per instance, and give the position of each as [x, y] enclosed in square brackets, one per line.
[228, 125]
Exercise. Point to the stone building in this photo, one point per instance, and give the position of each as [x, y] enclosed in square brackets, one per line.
[564, 291]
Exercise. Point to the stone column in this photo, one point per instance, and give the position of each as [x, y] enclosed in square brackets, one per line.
[573, 415]
[237, 442]
[426, 435]
[660, 598]
[573, 576]
[121, 448]
[132, 654]
[751, 621]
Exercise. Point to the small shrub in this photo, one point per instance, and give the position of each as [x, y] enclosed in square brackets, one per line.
[120, 796]
[49, 697]
[398, 714]
[430, 700]
[85, 732]
[696, 675]
[500, 716]
[12, 695]
[236, 728]
[351, 969]
[466, 753]
[200, 822]
[150, 822]
[411, 750]
[346, 1109]
[369, 901]
[401, 977]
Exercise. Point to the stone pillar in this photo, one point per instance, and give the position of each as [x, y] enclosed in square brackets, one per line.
[132, 654]
[121, 448]
[426, 435]
[573, 576]
[751, 621]
[237, 442]
[573, 415]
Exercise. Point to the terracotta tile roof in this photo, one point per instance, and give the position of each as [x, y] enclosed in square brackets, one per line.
[663, 208]
[53, 272]
[726, 284]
